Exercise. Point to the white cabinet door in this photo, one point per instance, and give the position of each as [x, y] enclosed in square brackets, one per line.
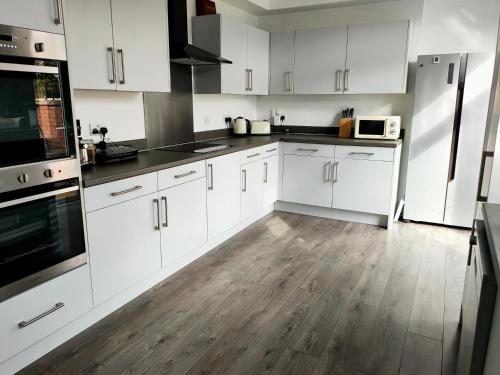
[320, 60]
[124, 245]
[282, 59]
[184, 219]
[42, 15]
[89, 43]
[307, 180]
[252, 179]
[140, 34]
[258, 61]
[377, 58]
[223, 194]
[234, 48]
[362, 185]
[270, 188]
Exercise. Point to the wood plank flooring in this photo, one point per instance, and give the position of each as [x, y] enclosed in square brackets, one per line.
[291, 294]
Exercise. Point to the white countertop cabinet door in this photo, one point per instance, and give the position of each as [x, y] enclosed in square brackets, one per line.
[252, 180]
[223, 193]
[183, 219]
[258, 61]
[377, 58]
[124, 245]
[320, 56]
[41, 15]
[271, 176]
[281, 62]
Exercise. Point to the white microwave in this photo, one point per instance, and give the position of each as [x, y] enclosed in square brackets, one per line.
[377, 127]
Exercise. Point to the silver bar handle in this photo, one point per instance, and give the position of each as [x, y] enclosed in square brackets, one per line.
[338, 77]
[118, 193]
[32, 198]
[346, 79]
[25, 323]
[271, 150]
[308, 149]
[156, 217]
[211, 177]
[335, 172]
[58, 19]
[288, 87]
[253, 155]
[266, 167]
[362, 153]
[251, 80]
[165, 205]
[328, 167]
[10, 67]
[111, 65]
[185, 174]
[244, 175]
[122, 64]
[247, 79]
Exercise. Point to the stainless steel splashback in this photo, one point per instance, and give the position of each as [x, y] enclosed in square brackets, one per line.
[169, 116]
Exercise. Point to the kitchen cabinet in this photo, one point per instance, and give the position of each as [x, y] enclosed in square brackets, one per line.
[377, 58]
[308, 180]
[252, 180]
[320, 56]
[271, 177]
[124, 245]
[183, 219]
[245, 46]
[282, 56]
[223, 193]
[41, 15]
[362, 185]
[117, 45]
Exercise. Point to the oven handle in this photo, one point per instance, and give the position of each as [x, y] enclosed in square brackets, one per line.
[32, 198]
[28, 68]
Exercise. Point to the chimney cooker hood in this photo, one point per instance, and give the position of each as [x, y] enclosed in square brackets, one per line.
[181, 52]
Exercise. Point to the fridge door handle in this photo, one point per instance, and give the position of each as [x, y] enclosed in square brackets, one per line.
[480, 196]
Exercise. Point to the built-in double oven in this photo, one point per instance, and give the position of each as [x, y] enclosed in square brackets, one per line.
[41, 222]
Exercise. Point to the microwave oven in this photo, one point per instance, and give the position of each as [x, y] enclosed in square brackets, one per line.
[377, 127]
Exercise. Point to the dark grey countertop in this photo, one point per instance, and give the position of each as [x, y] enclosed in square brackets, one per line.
[491, 216]
[156, 160]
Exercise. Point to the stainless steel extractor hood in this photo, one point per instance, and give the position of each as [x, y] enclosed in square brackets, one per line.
[181, 52]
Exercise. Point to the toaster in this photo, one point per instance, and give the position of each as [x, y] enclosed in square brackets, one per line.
[260, 128]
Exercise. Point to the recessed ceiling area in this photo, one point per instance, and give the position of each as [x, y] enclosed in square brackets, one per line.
[262, 7]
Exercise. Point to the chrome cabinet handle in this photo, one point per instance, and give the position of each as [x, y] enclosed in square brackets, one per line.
[25, 323]
[253, 155]
[338, 77]
[251, 80]
[288, 86]
[165, 205]
[119, 52]
[247, 79]
[271, 150]
[111, 65]
[135, 188]
[211, 179]
[362, 153]
[185, 174]
[328, 167]
[266, 167]
[244, 175]
[156, 217]
[346, 79]
[335, 172]
[308, 149]
[58, 19]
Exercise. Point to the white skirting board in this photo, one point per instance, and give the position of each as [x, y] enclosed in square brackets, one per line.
[332, 213]
[42, 347]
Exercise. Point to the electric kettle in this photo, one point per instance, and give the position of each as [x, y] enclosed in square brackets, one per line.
[240, 126]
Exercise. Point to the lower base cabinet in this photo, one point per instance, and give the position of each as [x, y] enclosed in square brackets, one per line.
[271, 177]
[124, 245]
[252, 179]
[184, 219]
[66, 298]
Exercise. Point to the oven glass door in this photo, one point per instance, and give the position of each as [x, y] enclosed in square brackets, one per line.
[372, 127]
[39, 230]
[33, 120]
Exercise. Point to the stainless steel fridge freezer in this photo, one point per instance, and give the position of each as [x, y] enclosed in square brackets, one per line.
[446, 139]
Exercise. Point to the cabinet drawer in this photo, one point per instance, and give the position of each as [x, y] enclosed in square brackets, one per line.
[270, 150]
[66, 297]
[251, 155]
[365, 153]
[179, 175]
[120, 191]
[309, 149]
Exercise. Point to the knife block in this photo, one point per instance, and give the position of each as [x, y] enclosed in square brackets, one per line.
[345, 127]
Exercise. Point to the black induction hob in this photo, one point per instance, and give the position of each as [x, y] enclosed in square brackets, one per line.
[197, 148]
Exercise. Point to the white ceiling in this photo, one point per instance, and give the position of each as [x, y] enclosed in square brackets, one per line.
[263, 7]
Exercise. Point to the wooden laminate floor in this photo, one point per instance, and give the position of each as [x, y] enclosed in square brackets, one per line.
[290, 294]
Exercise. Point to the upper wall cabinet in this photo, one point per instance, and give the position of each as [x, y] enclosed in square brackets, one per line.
[246, 46]
[377, 58]
[118, 45]
[320, 60]
[282, 60]
[42, 15]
